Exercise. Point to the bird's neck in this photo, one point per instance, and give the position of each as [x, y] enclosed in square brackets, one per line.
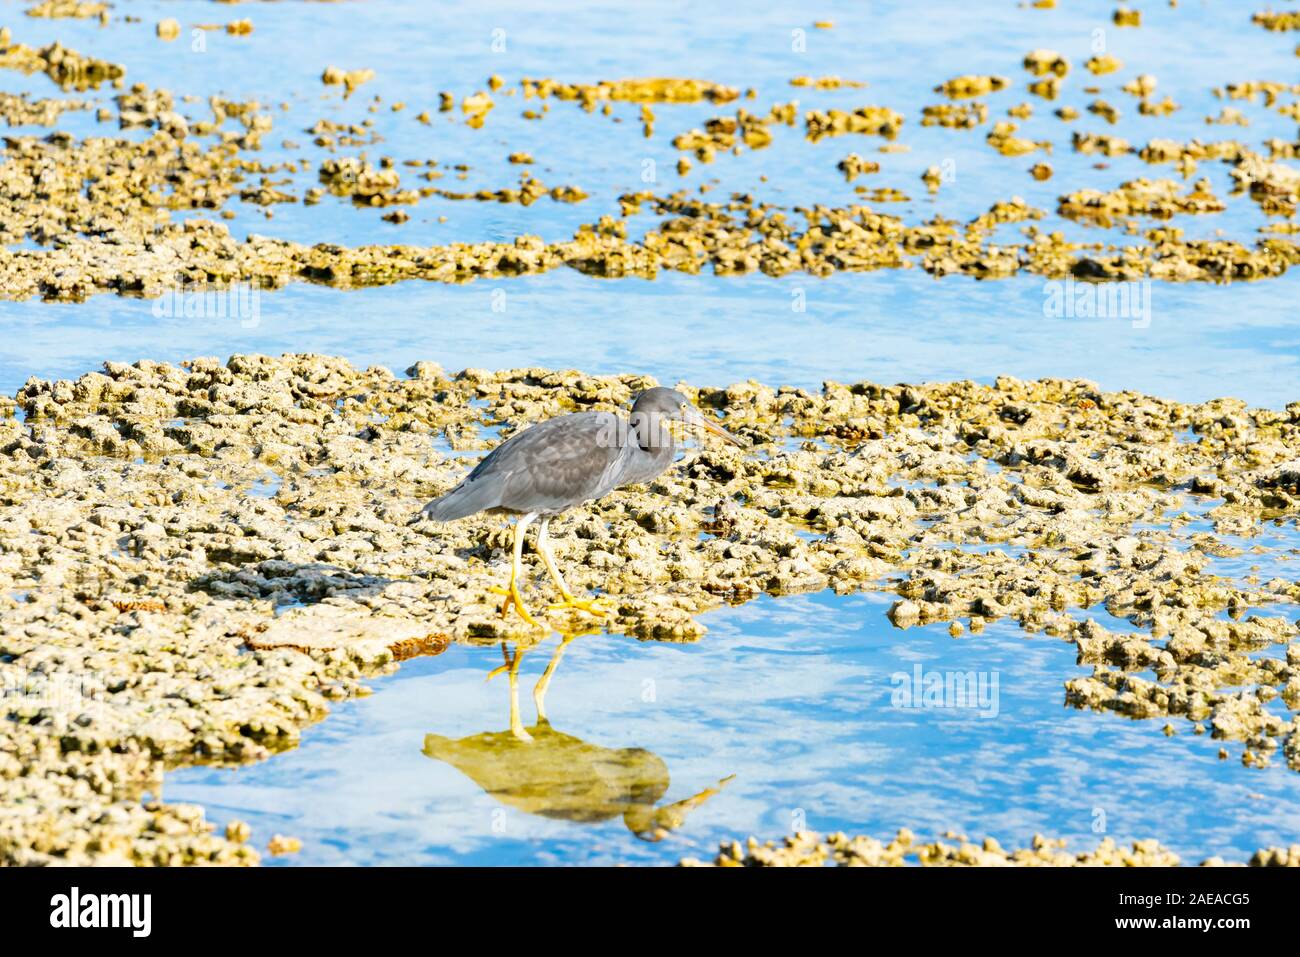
[651, 434]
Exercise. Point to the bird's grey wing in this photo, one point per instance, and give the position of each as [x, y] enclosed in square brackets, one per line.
[547, 467]
[561, 462]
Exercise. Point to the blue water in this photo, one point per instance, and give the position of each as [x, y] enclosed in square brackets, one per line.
[791, 696]
[1202, 341]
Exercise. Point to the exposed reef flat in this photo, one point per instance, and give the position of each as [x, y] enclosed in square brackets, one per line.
[808, 849]
[142, 206]
[196, 559]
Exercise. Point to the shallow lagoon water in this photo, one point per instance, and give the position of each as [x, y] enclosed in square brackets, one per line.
[792, 696]
[1201, 342]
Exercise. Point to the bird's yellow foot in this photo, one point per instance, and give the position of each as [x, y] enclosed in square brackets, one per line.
[591, 606]
[514, 598]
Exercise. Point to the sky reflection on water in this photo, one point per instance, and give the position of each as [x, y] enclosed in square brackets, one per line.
[793, 696]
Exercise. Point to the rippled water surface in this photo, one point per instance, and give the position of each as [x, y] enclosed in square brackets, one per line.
[1202, 341]
[795, 697]
[786, 700]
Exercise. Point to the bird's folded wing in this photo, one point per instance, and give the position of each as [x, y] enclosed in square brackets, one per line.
[561, 462]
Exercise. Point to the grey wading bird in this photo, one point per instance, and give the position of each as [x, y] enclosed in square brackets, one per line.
[550, 467]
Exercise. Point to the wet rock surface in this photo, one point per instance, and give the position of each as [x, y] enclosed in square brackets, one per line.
[197, 559]
[101, 213]
[808, 849]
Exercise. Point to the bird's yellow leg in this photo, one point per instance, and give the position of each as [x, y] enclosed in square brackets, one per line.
[511, 667]
[516, 569]
[570, 601]
[544, 682]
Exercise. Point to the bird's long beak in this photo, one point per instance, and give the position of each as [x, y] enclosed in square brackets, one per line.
[694, 416]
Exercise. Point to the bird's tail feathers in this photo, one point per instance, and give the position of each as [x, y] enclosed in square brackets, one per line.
[460, 502]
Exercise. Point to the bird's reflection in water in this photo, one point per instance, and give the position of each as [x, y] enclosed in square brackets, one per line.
[542, 771]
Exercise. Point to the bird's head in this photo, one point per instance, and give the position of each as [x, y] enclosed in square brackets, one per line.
[658, 406]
